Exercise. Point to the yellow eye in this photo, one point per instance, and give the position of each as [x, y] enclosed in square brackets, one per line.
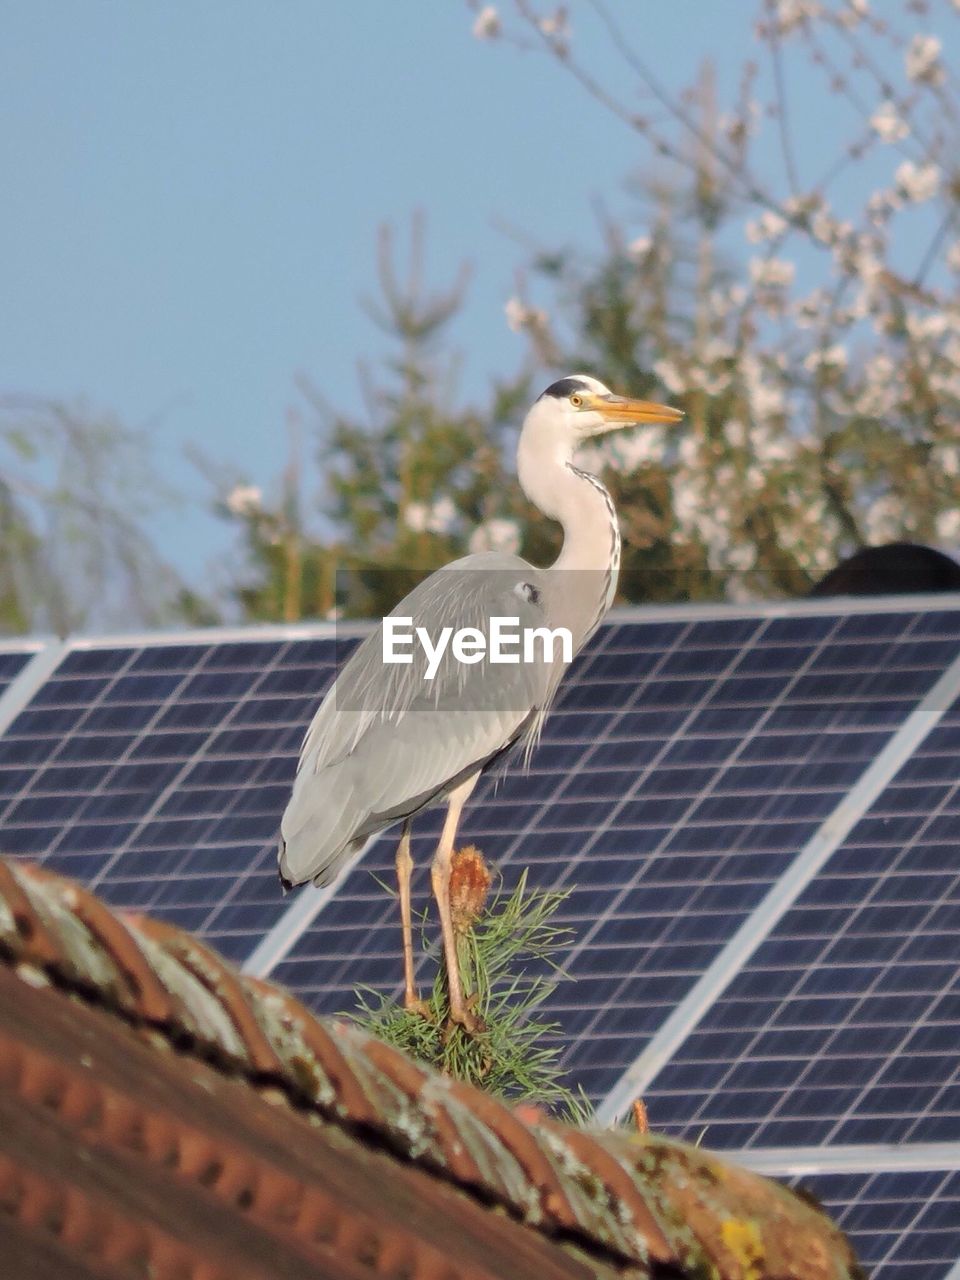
[576, 401]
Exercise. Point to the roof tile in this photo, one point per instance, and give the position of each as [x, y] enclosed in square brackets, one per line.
[640, 1197]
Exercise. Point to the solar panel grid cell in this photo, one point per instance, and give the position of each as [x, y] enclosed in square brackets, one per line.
[12, 662]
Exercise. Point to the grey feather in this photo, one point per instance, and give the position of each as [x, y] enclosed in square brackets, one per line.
[386, 742]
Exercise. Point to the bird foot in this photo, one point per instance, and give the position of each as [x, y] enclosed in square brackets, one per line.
[464, 1017]
[413, 1004]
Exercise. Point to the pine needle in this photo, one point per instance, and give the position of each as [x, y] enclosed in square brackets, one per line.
[503, 957]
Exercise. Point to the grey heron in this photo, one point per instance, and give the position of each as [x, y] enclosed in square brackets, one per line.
[388, 740]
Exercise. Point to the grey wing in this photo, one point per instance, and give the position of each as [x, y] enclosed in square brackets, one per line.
[386, 740]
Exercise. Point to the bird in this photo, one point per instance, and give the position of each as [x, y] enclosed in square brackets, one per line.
[387, 741]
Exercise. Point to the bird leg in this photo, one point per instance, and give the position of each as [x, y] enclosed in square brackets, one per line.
[440, 878]
[411, 1000]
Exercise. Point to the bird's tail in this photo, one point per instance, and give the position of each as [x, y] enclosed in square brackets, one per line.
[318, 829]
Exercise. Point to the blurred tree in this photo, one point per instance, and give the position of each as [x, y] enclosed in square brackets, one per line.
[75, 489]
[818, 420]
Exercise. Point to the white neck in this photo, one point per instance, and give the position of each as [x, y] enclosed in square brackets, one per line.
[591, 535]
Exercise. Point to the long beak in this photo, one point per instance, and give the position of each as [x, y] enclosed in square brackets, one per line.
[620, 411]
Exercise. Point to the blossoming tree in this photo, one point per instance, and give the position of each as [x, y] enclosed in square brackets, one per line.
[819, 358]
[800, 300]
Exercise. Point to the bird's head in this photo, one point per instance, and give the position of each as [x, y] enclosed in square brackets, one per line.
[579, 407]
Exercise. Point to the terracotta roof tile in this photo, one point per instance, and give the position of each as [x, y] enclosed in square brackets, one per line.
[641, 1199]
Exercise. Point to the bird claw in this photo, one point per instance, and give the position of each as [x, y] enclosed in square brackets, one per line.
[471, 1022]
[413, 1004]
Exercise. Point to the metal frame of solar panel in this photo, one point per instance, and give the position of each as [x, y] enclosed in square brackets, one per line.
[752, 809]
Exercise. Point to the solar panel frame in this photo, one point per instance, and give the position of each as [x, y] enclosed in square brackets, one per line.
[24, 664]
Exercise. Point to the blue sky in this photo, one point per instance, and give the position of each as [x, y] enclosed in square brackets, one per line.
[192, 193]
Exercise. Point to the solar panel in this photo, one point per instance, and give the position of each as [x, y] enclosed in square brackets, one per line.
[685, 765]
[156, 774]
[904, 1224]
[691, 755]
[844, 1025]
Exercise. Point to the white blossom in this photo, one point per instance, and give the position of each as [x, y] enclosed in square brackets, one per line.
[923, 60]
[878, 395]
[888, 123]
[832, 357]
[918, 182]
[861, 261]
[828, 229]
[715, 349]
[736, 433]
[742, 557]
[790, 14]
[689, 452]
[670, 376]
[948, 524]
[771, 446]
[945, 458]
[686, 500]
[244, 500]
[756, 478]
[921, 327]
[443, 515]
[771, 273]
[520, 316]
[430, 517]
[713, 528]
[640, 247]
[767, 401]
[738, 590]
[487, 25]
[556, 24]
[633, 449]
[884, 518]
[736, 126]
[766, 227]
[882, 204]
[855, 11]
[496, 535]
[415, 516]
[809, 309]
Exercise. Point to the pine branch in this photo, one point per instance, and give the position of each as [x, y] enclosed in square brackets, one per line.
[503, 953]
